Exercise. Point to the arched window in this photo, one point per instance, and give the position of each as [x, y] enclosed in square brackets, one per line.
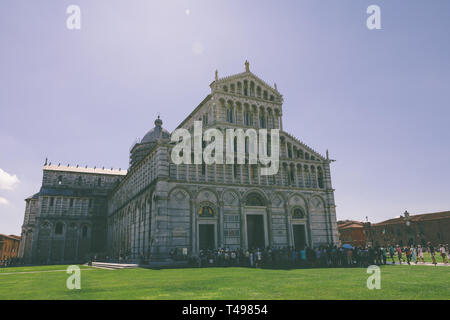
[239, 88]
[254, 199]
[320, 177]
[247, 118]
[206, 212]
[298, 213]
[265, 94]
[262, 120]
[286, 174]
[307, 176]
[291, 174]
[59, 228]
[225, 88]
[232, 88]
[230, 114]
[245, 88]
[258, 92]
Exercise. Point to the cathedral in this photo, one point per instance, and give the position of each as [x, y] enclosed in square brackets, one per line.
[157, 206]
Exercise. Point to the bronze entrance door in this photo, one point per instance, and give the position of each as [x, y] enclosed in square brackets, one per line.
[206, 236]
[255, 231]
[299, 236]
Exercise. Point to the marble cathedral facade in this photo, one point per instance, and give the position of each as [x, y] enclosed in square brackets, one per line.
[156, 206]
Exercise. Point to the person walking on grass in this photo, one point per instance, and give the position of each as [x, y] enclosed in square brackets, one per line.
[420, 253]
[443, 253]
[448, 252]
[408, 255]
[414, 253]
[392, 253]
[432, 253]
[399, 254]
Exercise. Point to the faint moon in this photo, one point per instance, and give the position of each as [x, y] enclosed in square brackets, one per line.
[187, 12]
[197, 48]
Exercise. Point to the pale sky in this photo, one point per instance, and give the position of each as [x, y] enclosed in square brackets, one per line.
[377, 99]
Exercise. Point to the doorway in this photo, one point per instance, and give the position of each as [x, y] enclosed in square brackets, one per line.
[206, 236]
[299, 236]
[255, 231]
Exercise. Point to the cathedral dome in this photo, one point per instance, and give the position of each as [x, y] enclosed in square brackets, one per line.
[158, 132]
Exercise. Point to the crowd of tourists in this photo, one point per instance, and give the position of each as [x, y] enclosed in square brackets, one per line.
[288, 257]
[324, 256]
[11, 262]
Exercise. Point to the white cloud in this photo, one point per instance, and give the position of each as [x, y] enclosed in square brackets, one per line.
[4, 201]
[7, 181]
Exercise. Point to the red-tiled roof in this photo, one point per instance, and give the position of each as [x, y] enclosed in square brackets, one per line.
[349, 224]
[417, 217]
[10, 236]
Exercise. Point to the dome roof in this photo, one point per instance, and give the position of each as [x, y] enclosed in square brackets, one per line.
[158, 132]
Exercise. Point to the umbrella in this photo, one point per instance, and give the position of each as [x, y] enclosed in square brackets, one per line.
[347, 246]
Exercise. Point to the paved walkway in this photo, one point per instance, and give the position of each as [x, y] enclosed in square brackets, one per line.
[22, 272]
[419, 264]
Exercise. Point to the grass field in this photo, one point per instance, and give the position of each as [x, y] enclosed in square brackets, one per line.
[397, 282]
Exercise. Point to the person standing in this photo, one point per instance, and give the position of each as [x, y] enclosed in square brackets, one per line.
[303, 256]
[349, 257]
[383, 255]
[233, 258]
[258, 258]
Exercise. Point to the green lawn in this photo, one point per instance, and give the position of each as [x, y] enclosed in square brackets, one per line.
[397, 282]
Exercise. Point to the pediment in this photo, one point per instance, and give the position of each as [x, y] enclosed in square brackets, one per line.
[256, 87]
